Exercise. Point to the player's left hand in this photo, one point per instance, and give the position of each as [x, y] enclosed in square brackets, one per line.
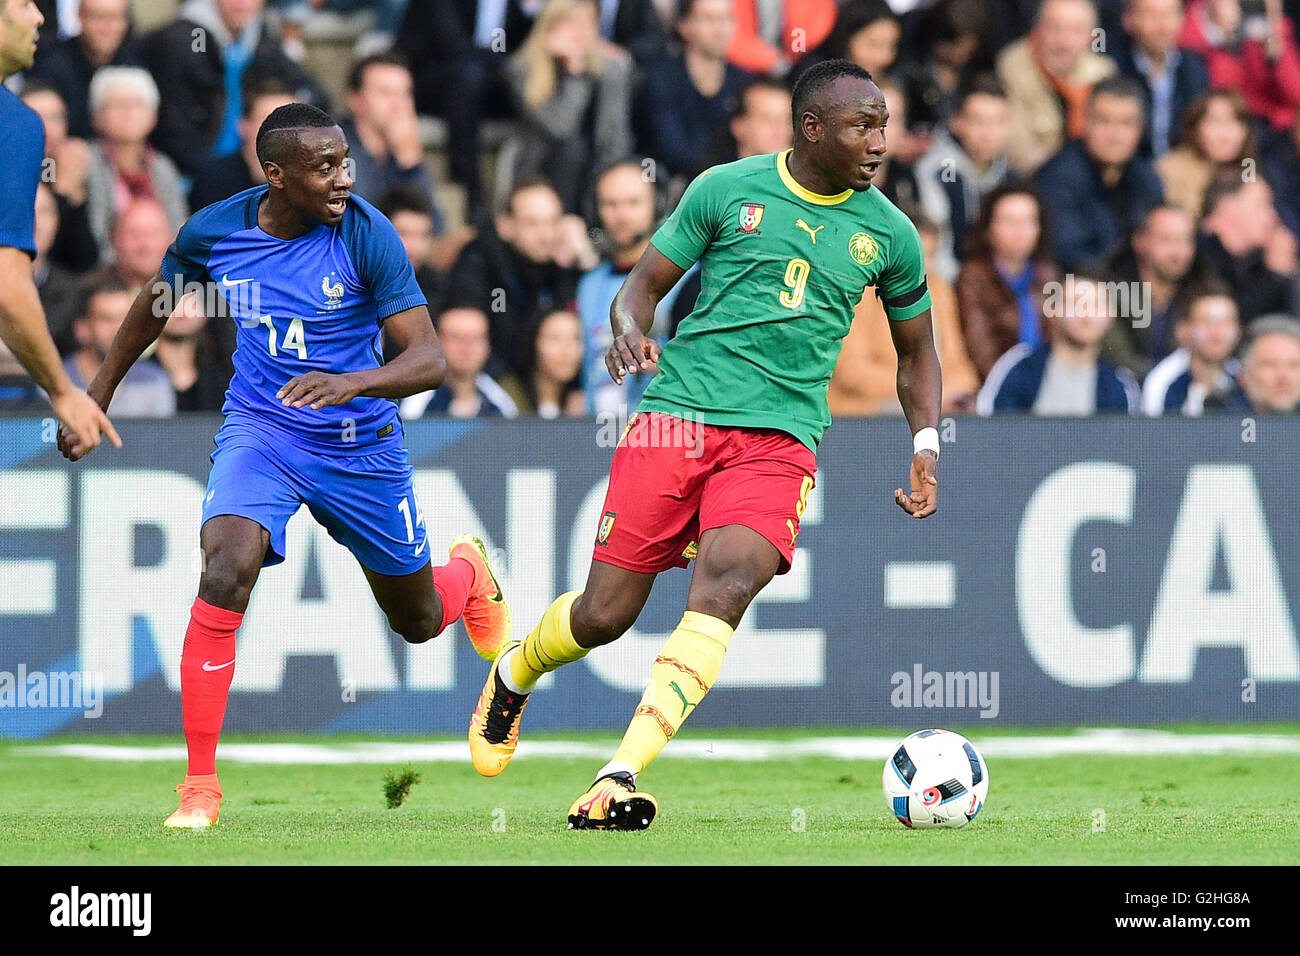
[924, 499]
[317, 389]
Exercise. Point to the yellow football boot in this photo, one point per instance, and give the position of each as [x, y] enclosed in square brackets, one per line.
[494, 725]
[613, 803]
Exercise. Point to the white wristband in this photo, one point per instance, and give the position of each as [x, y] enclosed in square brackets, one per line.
[926, 439]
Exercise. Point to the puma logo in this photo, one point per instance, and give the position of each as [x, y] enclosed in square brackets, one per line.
[809, 229]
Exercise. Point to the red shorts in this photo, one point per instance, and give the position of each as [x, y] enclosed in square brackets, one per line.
[672, 479]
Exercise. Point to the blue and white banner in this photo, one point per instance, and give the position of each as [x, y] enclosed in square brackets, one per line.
[1098, 572]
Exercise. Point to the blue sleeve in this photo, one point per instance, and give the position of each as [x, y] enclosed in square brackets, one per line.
[1014, 395]
[22, 144]
[380, 260]
[186, 260]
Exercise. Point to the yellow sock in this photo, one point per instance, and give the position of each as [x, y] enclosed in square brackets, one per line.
[547, 646]
[685, 669]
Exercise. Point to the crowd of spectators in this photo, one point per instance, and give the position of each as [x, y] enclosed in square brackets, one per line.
[1107, 191]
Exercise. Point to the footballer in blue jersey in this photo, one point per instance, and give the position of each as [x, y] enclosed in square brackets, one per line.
[313, 278]
[22, 319]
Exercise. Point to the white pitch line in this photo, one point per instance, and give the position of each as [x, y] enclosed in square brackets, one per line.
[1091, 741]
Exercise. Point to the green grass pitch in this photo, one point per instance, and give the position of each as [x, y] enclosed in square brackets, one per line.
[1228, 809]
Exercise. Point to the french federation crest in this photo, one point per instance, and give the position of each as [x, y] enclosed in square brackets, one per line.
[751, 214]
[333, 293]
[863, 248]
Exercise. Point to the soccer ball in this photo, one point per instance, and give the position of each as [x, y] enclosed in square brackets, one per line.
[935, 779]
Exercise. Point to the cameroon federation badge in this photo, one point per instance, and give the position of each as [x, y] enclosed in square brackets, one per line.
[606, 526]
[863, 248]
[751, 214]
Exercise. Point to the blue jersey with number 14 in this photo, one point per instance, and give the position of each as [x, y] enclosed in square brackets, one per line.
[314, 303]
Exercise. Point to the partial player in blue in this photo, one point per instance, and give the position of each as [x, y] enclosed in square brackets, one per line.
[312, 276]
[22, 318]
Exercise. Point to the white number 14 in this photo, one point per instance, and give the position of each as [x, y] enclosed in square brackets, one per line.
[294, 339]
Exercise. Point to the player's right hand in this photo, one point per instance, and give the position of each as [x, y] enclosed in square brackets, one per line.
[631, 352]
[82, 423]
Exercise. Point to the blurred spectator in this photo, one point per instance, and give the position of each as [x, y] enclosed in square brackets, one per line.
[467, 391]
[221, 177]
[634, 26]
[412, 216]
[1249, 47]
[68, 160]
[685, 99]
[1001, 286]
[141, 235]
[551, 387]
[895, 176]
[68, 65]
[865, 377]
[1069, 376]
[383, 131]
[1160, 260]
[1238, 226]
[56, 284]
[199, 61]
[145, 391]
[1171, 77]
[772, 34]
[192, 358]
[1216, 136]
[1281, 165]
[1202, 370]
[574, 99]
[1048, 76]
[458, 45]
[965, 162]
[387, 17]
[123, 166]
[19, 395]
[1100, 187]
[625, 206]
[510, 270]
[1270, 367]
[954, 47]
[760, 123]
[866, 32]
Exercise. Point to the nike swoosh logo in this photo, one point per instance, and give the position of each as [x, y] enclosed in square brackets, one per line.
[226, 281]
[207, 665]
[421, 547]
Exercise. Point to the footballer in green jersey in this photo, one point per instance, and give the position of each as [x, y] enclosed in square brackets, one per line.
[718, 461]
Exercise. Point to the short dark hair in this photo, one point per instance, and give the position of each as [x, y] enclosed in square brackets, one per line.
[98, 282]
[741, 106]
[1208, 288]
[262, 83]
[273, 137]
[34, 84]
[981, 84]
[816, 79]
[523, 184]
[1119, 85]
[1225, 184]
[404, 199]
[357, 77]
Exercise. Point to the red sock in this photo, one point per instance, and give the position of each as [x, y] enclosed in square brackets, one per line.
[207, 666]
[453, 581]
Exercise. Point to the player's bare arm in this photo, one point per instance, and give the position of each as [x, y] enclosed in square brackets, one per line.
[633, 312]
[23, 329]
[920, 391]
[419, 367]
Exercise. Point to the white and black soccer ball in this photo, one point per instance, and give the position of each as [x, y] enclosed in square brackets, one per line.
[935, 779]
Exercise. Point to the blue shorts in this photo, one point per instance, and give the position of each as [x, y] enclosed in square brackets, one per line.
[366, 502]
